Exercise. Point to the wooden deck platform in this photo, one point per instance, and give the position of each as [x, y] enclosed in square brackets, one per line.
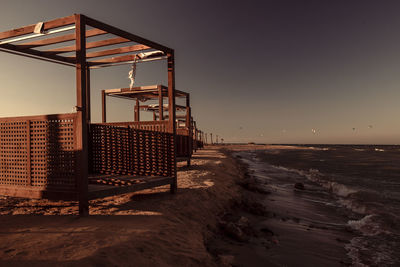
[108, 185]
[99, 186]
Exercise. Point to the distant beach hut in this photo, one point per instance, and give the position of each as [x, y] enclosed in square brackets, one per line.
[161, 114]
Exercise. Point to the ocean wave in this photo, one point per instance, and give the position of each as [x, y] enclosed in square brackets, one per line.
[368, 225]
[371, 251]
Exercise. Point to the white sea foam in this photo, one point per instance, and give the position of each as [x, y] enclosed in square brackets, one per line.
[367, 225]
[354, 206]
[379, 149]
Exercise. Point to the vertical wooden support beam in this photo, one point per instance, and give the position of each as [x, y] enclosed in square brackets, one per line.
[88, 110]
[137, 110]
[188, 125]
[28, 153]
[160, 103]
[154, 116]
[171, 111]
[211, 139]
[206, 138]
[195, 136]
[88, 116]
[103, 107]
[81, 126]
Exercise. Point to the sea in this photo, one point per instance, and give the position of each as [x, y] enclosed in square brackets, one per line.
[353, 187]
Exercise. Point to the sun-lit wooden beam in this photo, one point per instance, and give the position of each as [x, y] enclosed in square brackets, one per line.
[111, 29]
[47, 26]
[37, 53]
[60, 39]
[94, 44]
[115, 51]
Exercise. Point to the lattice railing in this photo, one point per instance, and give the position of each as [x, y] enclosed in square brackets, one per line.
[127, 151]
[159, 126]
[38, 151]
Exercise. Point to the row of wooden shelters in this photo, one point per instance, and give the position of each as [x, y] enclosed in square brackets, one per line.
[66, 156]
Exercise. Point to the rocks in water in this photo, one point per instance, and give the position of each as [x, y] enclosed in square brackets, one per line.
[236, 227]
[253, 185]
[267, 231]
[234, 231]
[254, 206]
[226, 260]
[299, 186]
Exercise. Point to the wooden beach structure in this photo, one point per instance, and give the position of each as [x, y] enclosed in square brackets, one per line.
[66, 156]
[160, 111]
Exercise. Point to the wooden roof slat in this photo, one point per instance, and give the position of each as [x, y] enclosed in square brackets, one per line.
[60, 39]
[134, 89]
[114, 59]
[37, 53]
[119, 50]
[111, 29]
[178, 107]
[149, 90]
[94, 44]
[47, 25]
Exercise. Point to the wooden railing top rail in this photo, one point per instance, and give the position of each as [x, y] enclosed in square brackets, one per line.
[66, 116]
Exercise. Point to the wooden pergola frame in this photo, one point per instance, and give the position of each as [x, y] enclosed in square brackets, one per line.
[19, 41]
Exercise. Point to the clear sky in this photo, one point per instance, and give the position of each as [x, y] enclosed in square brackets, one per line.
[263, 71]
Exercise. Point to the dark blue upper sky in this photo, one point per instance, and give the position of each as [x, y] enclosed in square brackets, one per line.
[264, 71]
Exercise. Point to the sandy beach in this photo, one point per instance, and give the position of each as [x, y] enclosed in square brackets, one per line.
[147, 228]
[217, 218]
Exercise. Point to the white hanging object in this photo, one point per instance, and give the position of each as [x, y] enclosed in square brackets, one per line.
[132, 72]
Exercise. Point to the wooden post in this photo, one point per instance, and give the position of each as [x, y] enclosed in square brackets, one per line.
[103, 107]
[188, 125]
[160, 103]
[154, 116]
[137, 110]
[81, 126]
[88, 111]
[171, 111]
[195, 137]
[211, 139]
[206, 138]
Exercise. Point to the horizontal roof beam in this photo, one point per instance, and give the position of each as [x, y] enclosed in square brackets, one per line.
[117, 59]
[119, 50]
[100, 25]
[94, 44]
[60, 39]
[47, 26]
[37, 53]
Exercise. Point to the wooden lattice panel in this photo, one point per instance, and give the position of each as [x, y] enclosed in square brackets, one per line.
[128, 151]
[52, 153]
[38, 152]
[159, 126]
[13, 153]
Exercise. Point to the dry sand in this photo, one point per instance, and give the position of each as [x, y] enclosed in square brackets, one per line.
[147, 228]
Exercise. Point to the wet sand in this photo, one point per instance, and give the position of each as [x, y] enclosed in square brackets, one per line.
[297, 227]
